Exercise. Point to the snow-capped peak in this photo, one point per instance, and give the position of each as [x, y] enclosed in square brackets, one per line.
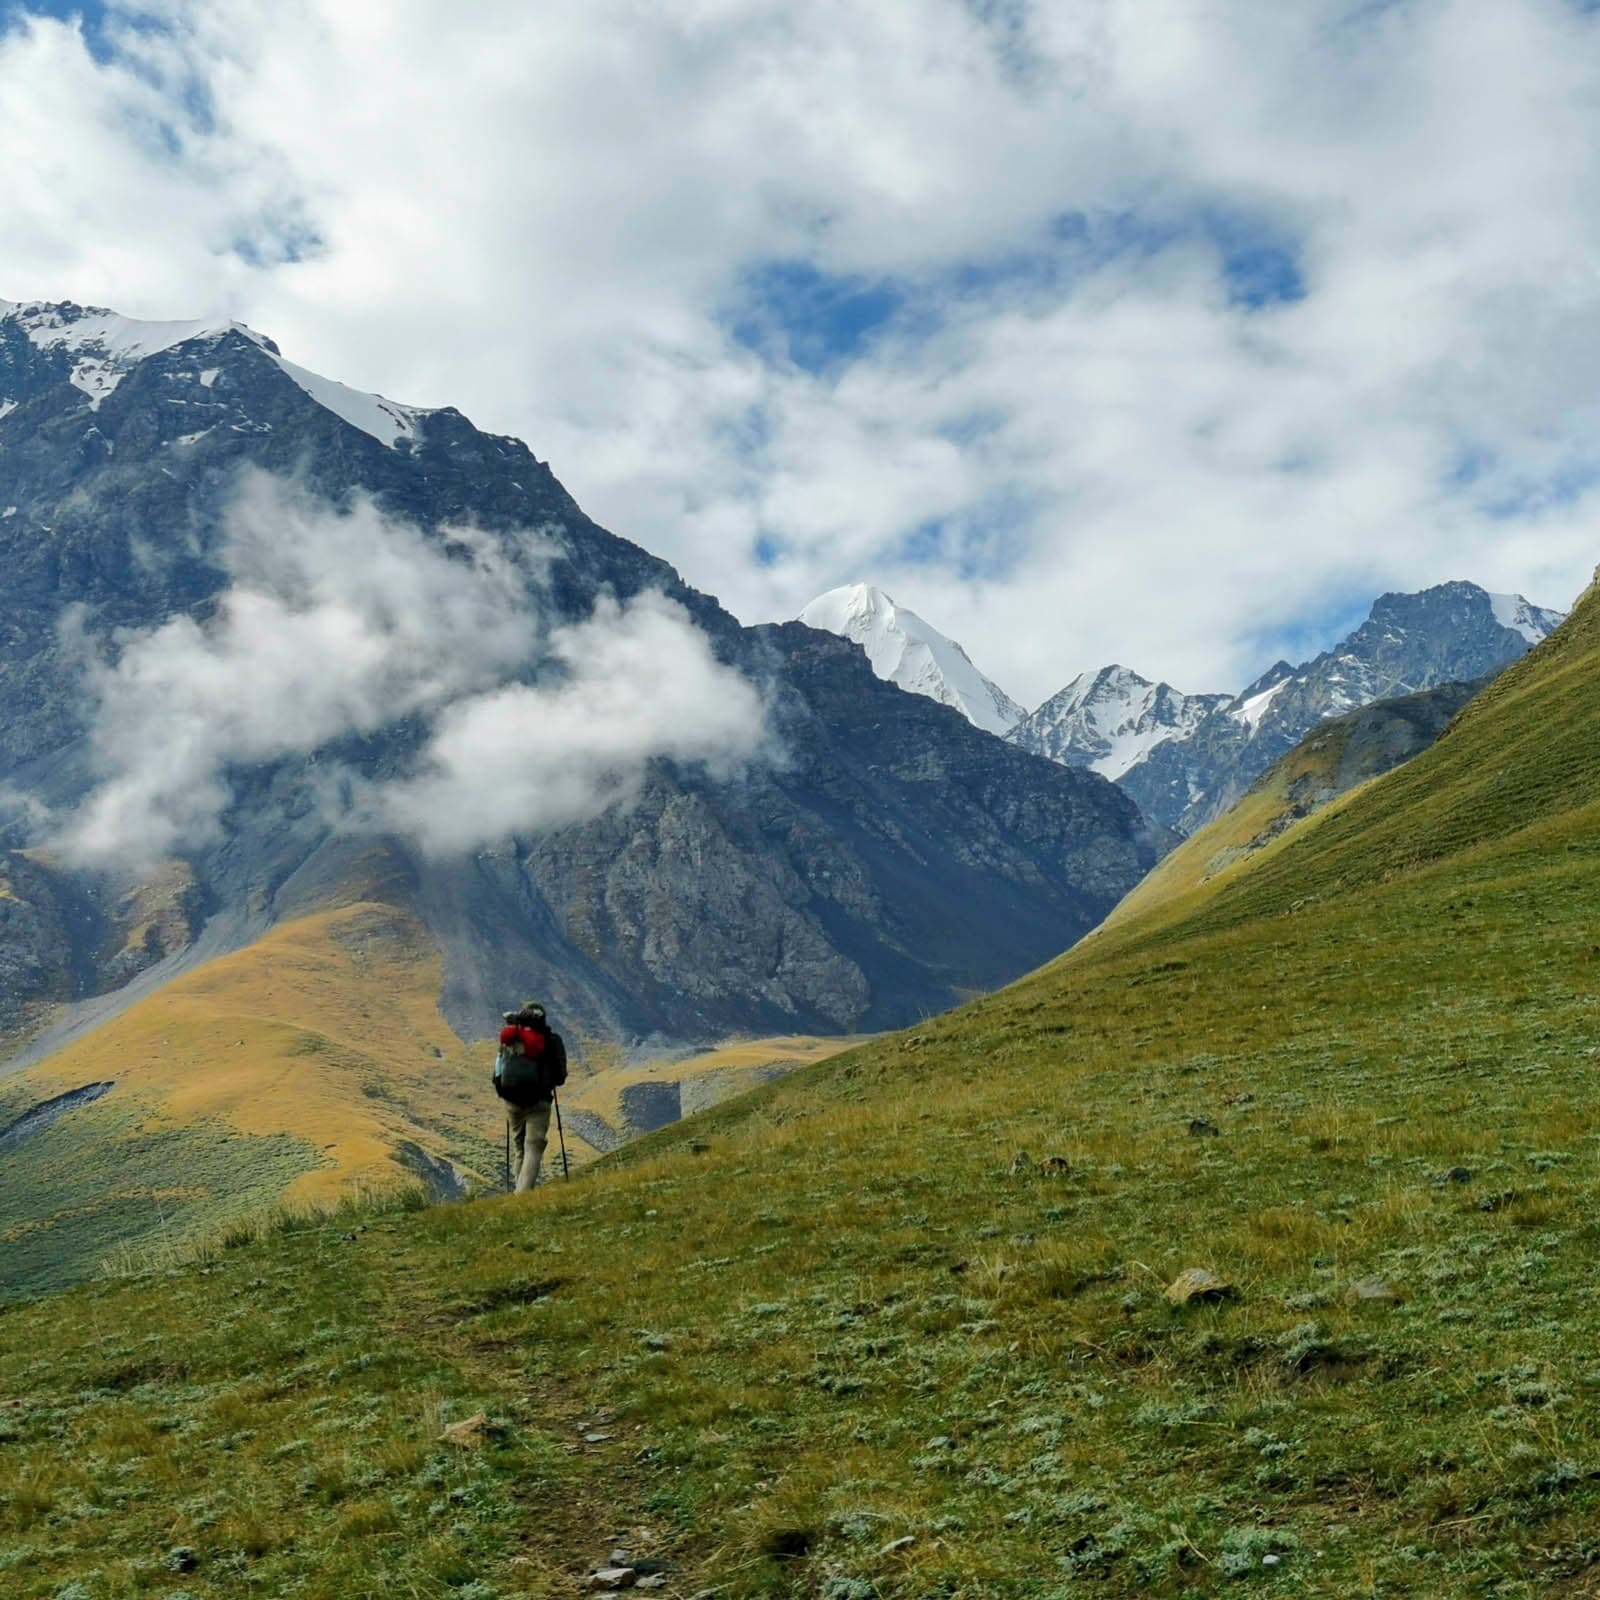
[108, 346]
[1110, 720]
[910, 652]
[1534, 623]
[1251, 706]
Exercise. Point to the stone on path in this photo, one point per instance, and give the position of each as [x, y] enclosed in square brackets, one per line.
[613, 1578]
[1372, 1291]
[473, 1432]
[1198, 1283]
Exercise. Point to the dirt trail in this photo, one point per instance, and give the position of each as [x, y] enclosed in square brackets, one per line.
[599, 1502]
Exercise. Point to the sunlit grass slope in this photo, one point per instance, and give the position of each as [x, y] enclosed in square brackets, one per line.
[1332, 759]
[290, 1071]
[702, 1079]
[837, 1339]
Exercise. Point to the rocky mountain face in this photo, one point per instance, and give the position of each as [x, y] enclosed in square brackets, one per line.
[1109, 721]
[1186, 758]
[904, 649]
[879, 858]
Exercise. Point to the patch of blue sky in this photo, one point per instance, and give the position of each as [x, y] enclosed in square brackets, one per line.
[792, 310]
[981, 543]
[279, 241]
[1503, 492]
[1469, 465]
[1337, 615]
[92, 13]
[745, 433]
[923, 546]
[768, 551]
[1258, 261]
[1529, 496]
[101, 24]
[815, 319]
[975, 426]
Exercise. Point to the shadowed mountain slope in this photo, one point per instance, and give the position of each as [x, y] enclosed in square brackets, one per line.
[1331, 760]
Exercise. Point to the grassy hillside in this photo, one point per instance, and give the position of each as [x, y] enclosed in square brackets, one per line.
[616, 1102]
[1330, 761]
[290, 1071]
[311, 1066]
[897, 1324]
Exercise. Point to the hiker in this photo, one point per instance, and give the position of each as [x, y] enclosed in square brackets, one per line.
[528, 1069]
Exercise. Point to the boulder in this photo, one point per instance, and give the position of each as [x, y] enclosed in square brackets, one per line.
[1199, 1283]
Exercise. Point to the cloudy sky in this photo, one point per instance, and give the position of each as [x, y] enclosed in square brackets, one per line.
[1163, 331]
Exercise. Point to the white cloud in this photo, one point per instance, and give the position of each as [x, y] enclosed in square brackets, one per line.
[338, 622]
[543, 215]
[640, 682]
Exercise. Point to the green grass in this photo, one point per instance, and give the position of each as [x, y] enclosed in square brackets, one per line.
[101, 1185]
[838, 1313]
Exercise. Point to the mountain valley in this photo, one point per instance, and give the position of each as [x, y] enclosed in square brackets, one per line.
[279, 652]
[1248, 1243]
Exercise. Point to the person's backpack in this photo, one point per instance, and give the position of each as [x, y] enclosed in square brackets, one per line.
[531, 1064]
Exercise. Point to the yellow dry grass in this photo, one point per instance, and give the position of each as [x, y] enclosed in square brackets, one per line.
[327, 1029]
[1226, 848]
[740, 1058]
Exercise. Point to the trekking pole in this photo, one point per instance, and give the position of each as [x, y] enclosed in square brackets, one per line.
[508, 1155]
[561, 1134]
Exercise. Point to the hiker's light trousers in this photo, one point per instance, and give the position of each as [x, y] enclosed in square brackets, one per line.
[530, 1133]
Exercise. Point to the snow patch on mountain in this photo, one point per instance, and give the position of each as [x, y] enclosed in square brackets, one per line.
[1185, 758]
[905, 650]
[386, 421]
[1534, 623]
[108, 346]
[1254, 709]
[1256, 701]
[1110, 721]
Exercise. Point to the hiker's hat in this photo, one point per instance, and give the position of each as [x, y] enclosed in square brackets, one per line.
[532, 1011]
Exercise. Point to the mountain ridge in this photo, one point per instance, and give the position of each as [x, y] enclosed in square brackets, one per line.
[906, 650]
[1187, 758]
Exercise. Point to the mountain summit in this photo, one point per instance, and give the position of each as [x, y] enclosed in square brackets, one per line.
[904, 649]
[98, 348]
[1109, 721]
[1187, 758]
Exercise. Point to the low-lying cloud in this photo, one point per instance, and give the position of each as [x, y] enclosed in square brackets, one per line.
[640, 682]
[342, 621]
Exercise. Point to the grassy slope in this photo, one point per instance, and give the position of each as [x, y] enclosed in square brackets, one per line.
[832, 1315]
[288, 1071]
[735, 1064]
